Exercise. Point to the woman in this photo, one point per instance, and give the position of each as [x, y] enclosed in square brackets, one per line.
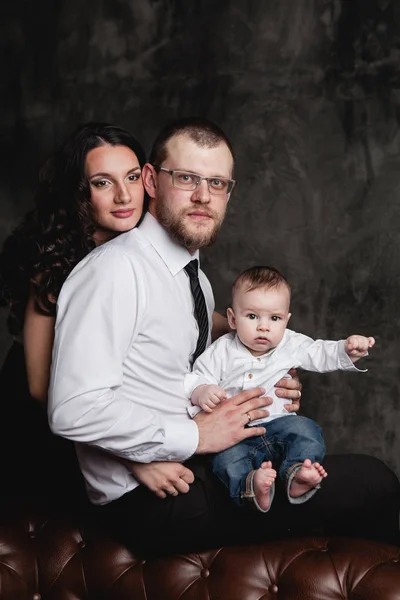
[89, 191]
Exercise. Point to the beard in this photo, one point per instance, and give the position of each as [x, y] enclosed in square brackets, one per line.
[191, 238]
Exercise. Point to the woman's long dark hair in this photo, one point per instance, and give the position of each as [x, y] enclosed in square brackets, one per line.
[58, 232]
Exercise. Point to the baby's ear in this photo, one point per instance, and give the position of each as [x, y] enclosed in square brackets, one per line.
[288, 317]
[231, 318]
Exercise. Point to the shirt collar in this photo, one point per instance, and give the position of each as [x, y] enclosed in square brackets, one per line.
[175, 256]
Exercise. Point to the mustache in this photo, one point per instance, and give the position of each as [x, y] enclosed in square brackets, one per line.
[206, 213]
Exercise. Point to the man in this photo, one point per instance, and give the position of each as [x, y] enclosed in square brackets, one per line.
[126, 334]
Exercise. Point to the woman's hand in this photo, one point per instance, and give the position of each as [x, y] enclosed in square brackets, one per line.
[290, 389]
[162, 478]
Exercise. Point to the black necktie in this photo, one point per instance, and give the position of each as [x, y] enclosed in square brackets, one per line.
[200, 308]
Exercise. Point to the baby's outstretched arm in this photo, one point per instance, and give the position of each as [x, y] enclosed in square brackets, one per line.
[208, 396]
[356, 346]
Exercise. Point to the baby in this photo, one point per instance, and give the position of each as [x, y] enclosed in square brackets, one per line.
[261, 352]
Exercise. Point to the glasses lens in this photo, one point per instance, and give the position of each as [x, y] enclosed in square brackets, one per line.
[220, 186]
[185, 181]
[190, 181]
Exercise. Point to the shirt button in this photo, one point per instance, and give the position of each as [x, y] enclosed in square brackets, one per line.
[259, 359]
[250, 375]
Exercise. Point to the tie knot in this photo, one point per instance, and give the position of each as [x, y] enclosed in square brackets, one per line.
[192, 268]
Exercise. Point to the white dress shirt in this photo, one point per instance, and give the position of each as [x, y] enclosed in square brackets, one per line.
[125, 333]
[229, 364]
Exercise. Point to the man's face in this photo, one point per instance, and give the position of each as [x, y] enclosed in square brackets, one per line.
[193, 218]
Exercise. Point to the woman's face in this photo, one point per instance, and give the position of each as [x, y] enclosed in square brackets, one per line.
[116, 188]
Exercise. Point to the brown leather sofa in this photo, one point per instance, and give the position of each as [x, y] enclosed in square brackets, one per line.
[50, 559]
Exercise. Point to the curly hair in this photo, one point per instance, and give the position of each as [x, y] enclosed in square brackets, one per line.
[58, 232]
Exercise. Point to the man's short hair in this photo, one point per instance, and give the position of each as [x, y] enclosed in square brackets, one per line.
[258, 277]
[203, 132]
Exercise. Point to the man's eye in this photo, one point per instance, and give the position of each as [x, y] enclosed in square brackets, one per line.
[219, 184]
[185, 178]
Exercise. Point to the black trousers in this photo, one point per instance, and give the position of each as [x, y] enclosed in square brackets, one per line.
[359, 498]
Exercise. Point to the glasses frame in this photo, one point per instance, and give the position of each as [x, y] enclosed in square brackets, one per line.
[231, 182]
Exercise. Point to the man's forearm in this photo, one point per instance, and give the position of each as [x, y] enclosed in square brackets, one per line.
[121, 427]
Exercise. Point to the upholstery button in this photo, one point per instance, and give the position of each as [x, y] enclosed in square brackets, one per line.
[250, 375]
[36, 597]
[143, 562]
[205, 573]
[32, 535]
[273, 589]
[82, 544]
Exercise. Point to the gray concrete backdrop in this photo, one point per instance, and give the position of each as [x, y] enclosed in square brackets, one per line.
[308, 91]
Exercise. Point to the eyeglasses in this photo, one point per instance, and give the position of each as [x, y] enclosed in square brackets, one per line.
[191, 181]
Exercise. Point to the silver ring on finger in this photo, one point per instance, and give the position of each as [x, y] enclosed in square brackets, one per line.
[249, 417]
[174, 493]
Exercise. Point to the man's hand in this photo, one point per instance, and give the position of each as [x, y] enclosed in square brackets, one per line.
[208, 396]
[356, 346]
[162, 478]
[225, 425]
[291, 389]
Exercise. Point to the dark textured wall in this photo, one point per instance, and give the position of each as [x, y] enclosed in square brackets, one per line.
[308, 90]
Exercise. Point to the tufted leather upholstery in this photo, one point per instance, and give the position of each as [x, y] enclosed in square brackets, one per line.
[49, 559]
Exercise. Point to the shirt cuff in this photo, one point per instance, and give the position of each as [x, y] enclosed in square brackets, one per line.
[181, 441]
[346, 364]
[191, 382]
[193, 411]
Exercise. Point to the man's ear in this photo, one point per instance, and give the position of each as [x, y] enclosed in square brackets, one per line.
[231, 318]
[149, 178]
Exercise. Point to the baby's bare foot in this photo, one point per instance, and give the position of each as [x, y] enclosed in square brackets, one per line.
[307, 477]
[264, 477]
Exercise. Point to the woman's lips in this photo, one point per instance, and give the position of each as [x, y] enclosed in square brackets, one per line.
[123, 214]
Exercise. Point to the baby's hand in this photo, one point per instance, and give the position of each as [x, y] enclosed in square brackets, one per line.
[208, 396]
[356, 346]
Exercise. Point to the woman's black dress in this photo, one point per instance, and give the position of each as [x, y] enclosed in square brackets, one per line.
[39, 469]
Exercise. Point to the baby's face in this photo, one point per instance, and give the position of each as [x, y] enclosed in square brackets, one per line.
[260, 317]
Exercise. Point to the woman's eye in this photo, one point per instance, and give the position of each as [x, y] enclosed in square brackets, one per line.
[134, 177]
[100, 183]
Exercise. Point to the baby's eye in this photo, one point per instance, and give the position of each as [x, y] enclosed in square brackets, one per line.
[275, 318]
[251, 316]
